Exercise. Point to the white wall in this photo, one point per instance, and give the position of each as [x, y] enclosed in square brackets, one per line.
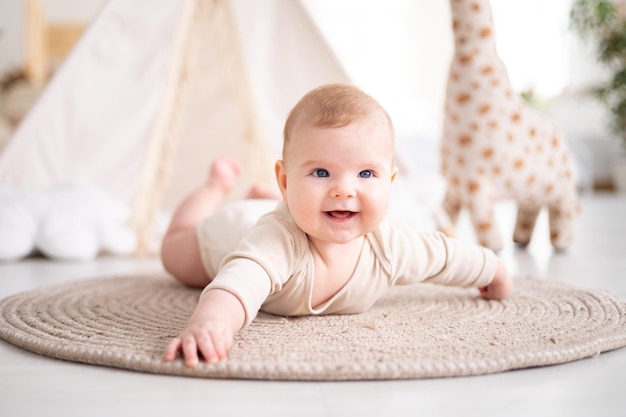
[397, 50]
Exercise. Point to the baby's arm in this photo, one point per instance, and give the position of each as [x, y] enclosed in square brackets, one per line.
[501, 284]
[210, 330]
[447, 261]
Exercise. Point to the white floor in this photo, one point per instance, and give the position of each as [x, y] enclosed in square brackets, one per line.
[32, 385]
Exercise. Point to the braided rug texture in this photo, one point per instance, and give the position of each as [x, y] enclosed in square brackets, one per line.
[415, 331]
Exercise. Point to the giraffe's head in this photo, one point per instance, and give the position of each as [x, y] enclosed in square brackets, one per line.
[472, 24]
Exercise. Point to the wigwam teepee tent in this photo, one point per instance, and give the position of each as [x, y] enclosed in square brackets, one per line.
[156, 89]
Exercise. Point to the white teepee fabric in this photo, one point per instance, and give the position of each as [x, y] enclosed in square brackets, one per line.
[155, 89]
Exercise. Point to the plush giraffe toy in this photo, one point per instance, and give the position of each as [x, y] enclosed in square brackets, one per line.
[494, 146]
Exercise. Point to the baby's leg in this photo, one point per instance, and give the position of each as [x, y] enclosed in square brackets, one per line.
[180, 253]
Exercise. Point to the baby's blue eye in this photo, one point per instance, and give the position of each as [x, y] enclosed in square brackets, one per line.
[321, 173]
[366, 174]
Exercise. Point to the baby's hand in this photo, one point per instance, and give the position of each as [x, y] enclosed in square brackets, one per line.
[500, 286]
[212, 339]
[210, 330]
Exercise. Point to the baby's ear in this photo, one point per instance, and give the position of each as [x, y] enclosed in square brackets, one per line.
[281, 176]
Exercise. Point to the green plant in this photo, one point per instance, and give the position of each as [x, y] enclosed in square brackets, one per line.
[604, 23]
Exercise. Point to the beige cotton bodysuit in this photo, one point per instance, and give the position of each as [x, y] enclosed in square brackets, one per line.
[268, 264]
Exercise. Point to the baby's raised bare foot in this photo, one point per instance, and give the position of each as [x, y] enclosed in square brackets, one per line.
[223, 173]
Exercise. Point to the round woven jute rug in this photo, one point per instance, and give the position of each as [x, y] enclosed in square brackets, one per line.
[415, 331]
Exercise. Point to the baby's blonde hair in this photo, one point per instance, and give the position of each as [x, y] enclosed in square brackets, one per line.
[332, 106]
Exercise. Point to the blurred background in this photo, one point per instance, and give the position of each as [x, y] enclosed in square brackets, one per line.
[397, 50]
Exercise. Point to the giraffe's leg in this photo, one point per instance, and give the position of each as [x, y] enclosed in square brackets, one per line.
[447, 215]
[561, 220]
[525, 224]
[452, 206]
[481, 209]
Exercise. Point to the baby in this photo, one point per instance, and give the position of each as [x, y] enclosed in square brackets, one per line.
[323, 249]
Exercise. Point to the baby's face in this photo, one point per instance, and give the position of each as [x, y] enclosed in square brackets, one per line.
[337, 181]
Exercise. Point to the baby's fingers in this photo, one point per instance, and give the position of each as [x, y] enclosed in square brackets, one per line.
[215, 346]
[209, 348]
[190, 351]
[172, 348]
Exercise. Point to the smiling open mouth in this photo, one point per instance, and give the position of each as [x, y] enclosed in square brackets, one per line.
[341, 214]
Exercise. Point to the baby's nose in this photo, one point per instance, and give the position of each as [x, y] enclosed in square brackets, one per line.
[343, 189]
